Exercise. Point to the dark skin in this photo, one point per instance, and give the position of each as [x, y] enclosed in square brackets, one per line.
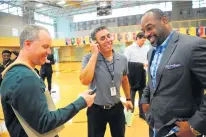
[6, 57]
[156, 30]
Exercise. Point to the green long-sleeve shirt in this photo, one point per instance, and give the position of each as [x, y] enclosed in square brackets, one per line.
[22, 89]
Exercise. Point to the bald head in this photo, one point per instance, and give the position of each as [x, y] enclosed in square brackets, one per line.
[157, 13]
[156, 26]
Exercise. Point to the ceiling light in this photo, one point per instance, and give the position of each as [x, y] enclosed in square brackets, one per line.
[39, 5]
[62, 2]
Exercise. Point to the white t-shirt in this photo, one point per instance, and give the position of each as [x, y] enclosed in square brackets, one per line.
[134, 53]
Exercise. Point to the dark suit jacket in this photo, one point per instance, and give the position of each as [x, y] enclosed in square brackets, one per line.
[180, 87]
[47, 67]
[136, 76]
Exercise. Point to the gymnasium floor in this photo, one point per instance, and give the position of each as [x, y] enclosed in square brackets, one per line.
[67, 84]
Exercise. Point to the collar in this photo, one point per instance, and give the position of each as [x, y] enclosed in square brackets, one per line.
[166, 41]
[116, 56]
[135, 44]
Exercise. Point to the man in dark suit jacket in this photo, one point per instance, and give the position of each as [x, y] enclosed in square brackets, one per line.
[46, 70]
[175, 93]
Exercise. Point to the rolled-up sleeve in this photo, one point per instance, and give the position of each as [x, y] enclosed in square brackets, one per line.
[85, 60]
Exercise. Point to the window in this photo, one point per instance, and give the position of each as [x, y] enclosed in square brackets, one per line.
[151, 6]
[20, 13]
[166, 6]
[49, 27]
[13, 10]
[198, 3]
[43, 18]
[6, 8]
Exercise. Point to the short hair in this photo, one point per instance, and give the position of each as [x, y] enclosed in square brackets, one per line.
[94, 32]
[157, 12]
[30, 32]
[140, 35]
[6, 51]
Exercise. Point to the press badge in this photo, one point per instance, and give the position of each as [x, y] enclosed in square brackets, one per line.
[113, 89]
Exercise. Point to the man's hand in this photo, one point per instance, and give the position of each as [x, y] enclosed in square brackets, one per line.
[129, 105]
[94, 46]
[145, 107]
[88, 98]
[184, 130]
[145, 66]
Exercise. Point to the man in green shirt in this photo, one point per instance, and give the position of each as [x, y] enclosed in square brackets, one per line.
[22, 89]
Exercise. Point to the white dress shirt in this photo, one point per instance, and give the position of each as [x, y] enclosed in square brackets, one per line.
[134, 53]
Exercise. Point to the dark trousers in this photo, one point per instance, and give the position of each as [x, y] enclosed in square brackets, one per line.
[49, 79]
[133, 94]
[99, 117]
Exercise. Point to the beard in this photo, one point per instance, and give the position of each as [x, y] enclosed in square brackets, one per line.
[160, 41]
[157, 40]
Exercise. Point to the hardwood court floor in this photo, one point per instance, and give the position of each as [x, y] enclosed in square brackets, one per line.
[67, 84]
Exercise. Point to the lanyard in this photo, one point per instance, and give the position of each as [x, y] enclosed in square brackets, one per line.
[111, 73]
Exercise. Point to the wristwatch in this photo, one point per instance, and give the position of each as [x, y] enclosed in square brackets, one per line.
[195, 132]
[128, 99]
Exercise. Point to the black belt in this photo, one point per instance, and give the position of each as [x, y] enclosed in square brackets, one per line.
[108, 106]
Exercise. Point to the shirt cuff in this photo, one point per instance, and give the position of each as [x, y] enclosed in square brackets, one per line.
[198, 123]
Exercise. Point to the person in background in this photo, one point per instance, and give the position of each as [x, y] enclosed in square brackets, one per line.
[46, 70]
[6, 57]
[137, 60]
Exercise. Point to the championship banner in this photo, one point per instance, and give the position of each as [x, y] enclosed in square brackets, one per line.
[86, 38]
[200, 31]
[115, 38]
[130, 36]
[68, 41]
[123, 36]
[126, 36]
[73, 41]
[79, 41]
[192, 31]
[119, 37]
[134, 36]
[83, 40]
[183, 30]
